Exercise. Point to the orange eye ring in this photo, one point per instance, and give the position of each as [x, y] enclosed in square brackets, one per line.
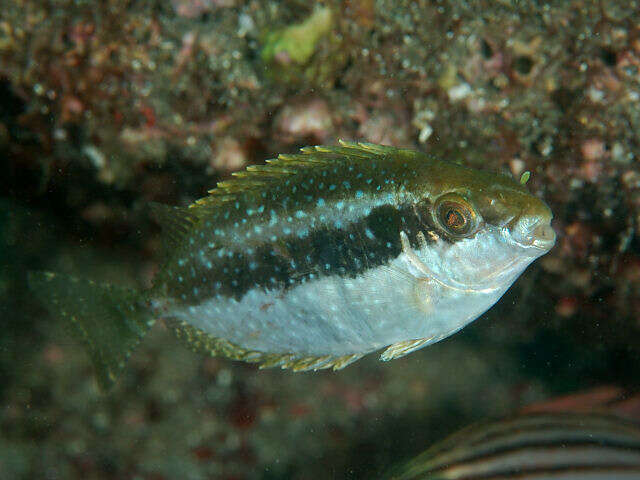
[455, 216]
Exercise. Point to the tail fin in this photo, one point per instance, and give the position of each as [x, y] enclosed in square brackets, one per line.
[110, 320]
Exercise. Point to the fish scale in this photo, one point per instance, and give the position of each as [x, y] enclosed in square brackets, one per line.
[318, 258]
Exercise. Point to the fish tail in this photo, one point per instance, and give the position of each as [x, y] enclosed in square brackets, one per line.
[110, 320]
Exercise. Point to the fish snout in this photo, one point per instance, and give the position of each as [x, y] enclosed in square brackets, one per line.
[544, 236]
[534, 232]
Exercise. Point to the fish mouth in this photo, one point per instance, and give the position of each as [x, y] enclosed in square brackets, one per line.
[542, 238]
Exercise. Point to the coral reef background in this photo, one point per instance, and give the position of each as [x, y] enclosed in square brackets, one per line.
[106, 106]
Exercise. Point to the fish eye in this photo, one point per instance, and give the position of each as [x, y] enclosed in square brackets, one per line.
[455, 216]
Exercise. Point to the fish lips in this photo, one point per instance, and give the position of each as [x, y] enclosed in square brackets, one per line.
[544, 237]
[534, 235]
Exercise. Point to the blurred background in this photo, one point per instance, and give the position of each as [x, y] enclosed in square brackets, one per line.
[108, 105]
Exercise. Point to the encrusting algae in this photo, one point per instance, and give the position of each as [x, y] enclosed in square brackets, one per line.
[316, 259]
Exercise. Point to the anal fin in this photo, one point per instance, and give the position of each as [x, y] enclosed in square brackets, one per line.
[305, 364]
[199, 341]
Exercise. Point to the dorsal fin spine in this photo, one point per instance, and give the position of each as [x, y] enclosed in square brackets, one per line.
[256, 177]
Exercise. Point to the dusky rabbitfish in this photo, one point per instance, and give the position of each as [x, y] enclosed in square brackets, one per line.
[318, 258]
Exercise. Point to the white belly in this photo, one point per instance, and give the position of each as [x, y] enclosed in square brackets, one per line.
[339, 316]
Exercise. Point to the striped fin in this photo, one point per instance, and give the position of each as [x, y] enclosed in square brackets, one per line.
[550, 446]
[478, 436]
[200, 341]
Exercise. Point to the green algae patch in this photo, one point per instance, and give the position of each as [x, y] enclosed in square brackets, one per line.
[297, 43]
[305, 52]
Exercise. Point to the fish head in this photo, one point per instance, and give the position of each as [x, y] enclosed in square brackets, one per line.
[485, 229]
[507, 209]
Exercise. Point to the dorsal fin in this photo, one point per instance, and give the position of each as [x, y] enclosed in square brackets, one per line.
[257, 177]
[175, 223]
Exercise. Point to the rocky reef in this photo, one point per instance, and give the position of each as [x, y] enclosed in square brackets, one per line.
[106, 106]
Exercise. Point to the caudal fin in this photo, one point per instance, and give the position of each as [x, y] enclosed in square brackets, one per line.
[110, 320]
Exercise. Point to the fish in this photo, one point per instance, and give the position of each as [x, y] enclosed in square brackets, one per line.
[316, 259]
[534, 446]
